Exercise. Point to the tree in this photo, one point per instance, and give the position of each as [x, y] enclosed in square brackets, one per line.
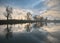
[35, 17]
[38, 17]
[9, 11]
[29, 16]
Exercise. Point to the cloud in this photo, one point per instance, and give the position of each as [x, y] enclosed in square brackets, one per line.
[17, 13]
[53, 8]
[39, 1]
[40, 5]
[18, 3]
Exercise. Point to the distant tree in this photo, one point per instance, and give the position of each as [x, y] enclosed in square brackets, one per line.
[9, 11]
[35, 17]
[38, 17]
[46, 21]
[29, 16]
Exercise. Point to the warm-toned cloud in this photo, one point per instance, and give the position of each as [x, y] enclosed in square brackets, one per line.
[53, 8]
[16, 13]
[2, 11]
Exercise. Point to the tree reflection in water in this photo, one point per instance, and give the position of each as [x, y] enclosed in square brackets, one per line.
[28, 27]
[35, 26]
[38, 25]
[8, 32]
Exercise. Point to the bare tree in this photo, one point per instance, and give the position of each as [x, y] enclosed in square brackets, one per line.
[38, 17]
[35, 17]
[9, 11]
[29, 16]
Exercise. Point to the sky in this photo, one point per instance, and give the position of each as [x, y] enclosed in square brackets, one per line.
[38, 7]
[27, 4]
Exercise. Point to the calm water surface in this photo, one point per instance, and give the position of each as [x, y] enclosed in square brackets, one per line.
[30, 33]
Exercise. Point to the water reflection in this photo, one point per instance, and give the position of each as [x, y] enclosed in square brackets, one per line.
[38, 25]
[8, 32]
[38, 31]
[28, 27]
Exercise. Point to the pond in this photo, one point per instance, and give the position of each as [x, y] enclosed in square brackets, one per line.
[30, 33]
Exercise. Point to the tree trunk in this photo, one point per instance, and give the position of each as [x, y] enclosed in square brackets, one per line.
[7, 22]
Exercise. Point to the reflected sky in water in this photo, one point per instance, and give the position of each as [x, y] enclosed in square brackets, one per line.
[30, 33]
